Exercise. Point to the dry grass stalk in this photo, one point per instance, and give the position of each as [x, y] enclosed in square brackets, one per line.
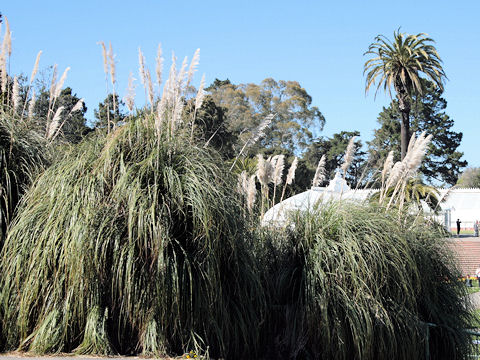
[150, 91]
[193, 66]
[290, 176]
[262, 173]
[111, 61]
[8, 38]
[251, 193]
[320, 175]
[15, 94]
[59, 86]
[159, 65]
[405, 170]
[35, 67]
[78, 106]
[278, 170]
[181, 75]
[53, 126]
[200, 95]
[31, 105]
[141, 67]
[130, 96]
[242, 184]
[349, 153]
[3, 70]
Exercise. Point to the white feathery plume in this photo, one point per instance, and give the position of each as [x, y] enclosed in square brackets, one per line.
[105, 58]
[141, 67]
[291, 171]
[417, 152]
[78, 106]
[200, 94]
[242, 184]
[130, 96]
[59, 86]
[31, 105]
[172, 76]
[111, 59]
[387, 165]
[348, 155]
[8, 38]
[150, 91]
[177, 113]
[262, 173]
[52, 128]
[35, 67]
[260, 130]
[159, 65]
[15, 94]
[3, 69]
[160, 111]
[182, 73]
[193, 66]
[53, 82]
[395, 174]
[251, 192]
[319, 172]
[278, 170]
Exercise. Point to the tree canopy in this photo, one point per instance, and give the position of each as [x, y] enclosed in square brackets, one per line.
[296, 121]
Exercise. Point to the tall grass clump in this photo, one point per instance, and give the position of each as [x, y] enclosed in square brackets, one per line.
[353, 281]
[23, 154]
[135, 244]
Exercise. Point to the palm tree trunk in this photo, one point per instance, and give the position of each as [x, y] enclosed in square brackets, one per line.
[405, 132]
[404, 107]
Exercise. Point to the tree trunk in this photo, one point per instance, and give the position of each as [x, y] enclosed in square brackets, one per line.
[404, 107]
[405, 131]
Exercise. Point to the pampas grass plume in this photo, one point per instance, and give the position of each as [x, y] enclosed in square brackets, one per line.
[31, 105]
[105, 57]
[78, 106]
[15, 94]
[262, 173]
[251, 192]
[111, 59]
[55, 123]
[348, 155]
[35, 67]
[200, 94]
[278, 170]
[159, 65]
[291, 171]
[141, 67]
[130, 97]
[193, 66]
[59, 86]
[319, 172]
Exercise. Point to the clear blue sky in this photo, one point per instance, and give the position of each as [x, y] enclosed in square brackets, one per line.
[317, 43]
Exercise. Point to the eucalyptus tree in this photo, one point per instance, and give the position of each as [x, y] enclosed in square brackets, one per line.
[400, 64]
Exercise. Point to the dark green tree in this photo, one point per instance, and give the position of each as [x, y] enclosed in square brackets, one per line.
[74, 124]
[443, 161]
[109, 112]
[211, 127]
[334, 150]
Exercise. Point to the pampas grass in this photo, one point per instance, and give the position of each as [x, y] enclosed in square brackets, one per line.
[159, 65]
[350, 281]
[146, 227]
[15, 95]
[290, 176]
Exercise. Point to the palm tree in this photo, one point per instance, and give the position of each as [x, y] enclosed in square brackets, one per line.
[400, 63]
